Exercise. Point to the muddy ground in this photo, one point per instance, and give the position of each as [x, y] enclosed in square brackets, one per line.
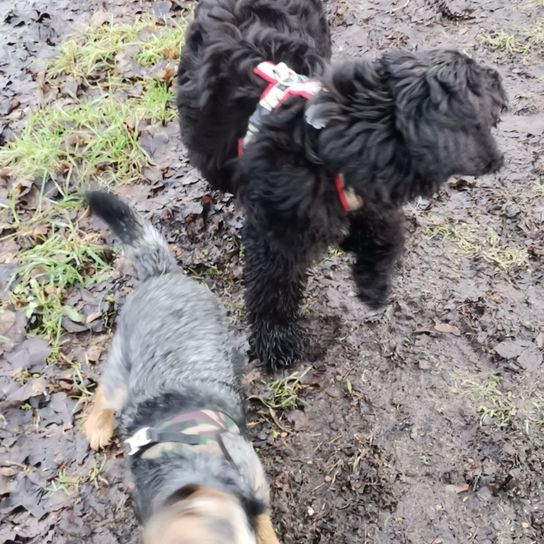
[419, 423]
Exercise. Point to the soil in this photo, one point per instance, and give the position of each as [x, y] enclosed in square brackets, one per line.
[399, 435]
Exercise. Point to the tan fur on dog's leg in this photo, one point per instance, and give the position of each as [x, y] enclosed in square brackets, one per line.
[100, 422]
[264, 531]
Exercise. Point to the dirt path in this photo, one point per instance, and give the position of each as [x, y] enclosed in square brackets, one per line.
[421, 423]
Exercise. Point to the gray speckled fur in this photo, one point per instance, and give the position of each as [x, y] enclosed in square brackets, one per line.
[171, 336]
[173, 351]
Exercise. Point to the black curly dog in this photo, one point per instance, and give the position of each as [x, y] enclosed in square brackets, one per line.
[395, 128]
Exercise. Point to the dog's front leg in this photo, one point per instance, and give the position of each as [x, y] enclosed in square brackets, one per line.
[109, 398]
[377, 238]
[274, 282]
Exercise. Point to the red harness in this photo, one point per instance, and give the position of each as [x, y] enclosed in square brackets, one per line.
[284, 83]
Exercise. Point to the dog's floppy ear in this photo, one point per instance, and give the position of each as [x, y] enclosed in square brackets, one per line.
[447, 78]
[438, 76]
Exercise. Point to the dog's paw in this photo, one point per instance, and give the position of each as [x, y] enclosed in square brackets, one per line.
[277, 346]
[100, 423]
[98, 428]
[375, 296]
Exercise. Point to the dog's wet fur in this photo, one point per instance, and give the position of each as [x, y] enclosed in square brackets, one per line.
[173, 352]
[396, 127]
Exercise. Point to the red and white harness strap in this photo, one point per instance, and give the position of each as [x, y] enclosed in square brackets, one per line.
[283, 83]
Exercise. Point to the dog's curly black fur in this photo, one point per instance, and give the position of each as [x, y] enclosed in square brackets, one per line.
[396, 128]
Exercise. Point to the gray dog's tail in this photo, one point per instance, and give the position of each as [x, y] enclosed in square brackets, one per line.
[143, 244]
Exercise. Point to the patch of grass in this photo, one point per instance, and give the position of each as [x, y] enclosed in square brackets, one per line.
[155, 103]
[496, 406]
[518, 42]
[66, 258]
[94, 53]
[22, 377]
[285, 392]
[71, 483]
[46, 213]
[500, 40]
[66, 482]
[534, 418]
[80, 384]
[163, 43]
[89, 138]
[95, 476]
[533, 4]
[95, 139]
[535, 35]
[489, 248]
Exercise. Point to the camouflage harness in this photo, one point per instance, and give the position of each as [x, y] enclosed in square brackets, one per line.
[198, 430]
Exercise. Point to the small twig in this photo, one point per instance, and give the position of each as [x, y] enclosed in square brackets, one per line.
[405, 5]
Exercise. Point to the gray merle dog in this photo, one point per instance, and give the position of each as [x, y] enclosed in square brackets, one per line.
[173, 377]
[328, 160]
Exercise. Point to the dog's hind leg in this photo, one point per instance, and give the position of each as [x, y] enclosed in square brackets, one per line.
[377, 238]
[274, 285]
[109, 398]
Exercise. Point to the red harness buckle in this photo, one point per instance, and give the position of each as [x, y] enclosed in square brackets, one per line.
[283, 83]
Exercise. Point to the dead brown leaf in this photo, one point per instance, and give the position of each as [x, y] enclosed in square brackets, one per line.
[39, 234]
[168, 75]
[40, 82]
[170, 53]
[93, 316]
[447, 328]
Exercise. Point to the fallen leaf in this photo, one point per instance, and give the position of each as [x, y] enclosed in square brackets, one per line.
[95, 351]
[93, 316]
[447, 329]
[8, 250]
[73, 314]
[39, 233]
[510, 349]
[33, 388]
[40, 82]
[170, 53]
[31, 355]
[168, 75]
[461, 488]
[6, 485]
[531, 358]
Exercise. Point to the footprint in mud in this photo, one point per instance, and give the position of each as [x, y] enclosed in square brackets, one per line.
[321, 332]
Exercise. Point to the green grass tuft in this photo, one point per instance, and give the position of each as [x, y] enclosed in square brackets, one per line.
[163, 43]
[496, 406]
[93, 139]
[519, 42]
[489, 248]
[47, 270]
[93, 54]
[285, 392]
[500, 40]
[533, 4]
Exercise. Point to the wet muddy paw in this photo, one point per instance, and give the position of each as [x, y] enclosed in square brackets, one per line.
[277, 346]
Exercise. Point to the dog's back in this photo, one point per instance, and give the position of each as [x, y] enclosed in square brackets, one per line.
[218, 90]
[172, 333]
